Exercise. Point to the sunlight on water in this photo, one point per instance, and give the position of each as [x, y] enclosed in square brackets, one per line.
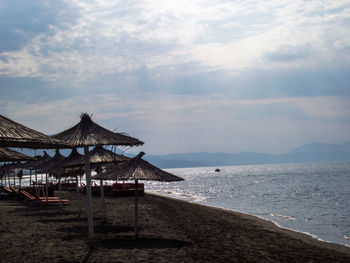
[312, 198]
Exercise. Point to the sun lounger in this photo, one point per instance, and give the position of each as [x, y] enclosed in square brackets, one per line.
[41, 200]
[10, 192]
[6, 192]
[7, 189]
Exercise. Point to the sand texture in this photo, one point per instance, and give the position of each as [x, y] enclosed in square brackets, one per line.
[170, 231]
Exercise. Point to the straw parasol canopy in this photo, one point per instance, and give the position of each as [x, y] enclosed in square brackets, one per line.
[40, 162]
[136, 169]
[87, 133]
[13, 134]
[8, 155]
[98, 155]
[59, 166]
[47, 165]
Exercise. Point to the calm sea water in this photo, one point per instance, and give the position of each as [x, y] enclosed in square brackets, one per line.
[311, 198]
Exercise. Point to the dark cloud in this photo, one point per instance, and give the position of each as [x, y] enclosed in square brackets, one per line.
[128, 82]
[267, 111]
[21, 21]
[288, 54]
[31, 90]
[326, 81]
[274, 84]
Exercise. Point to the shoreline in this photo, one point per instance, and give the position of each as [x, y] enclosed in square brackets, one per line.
[171, 230]
[188, 199]
[259, 219]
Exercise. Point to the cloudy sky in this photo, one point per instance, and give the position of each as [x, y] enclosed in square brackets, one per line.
[183, 76]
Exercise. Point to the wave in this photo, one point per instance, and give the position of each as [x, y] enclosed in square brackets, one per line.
[188, 197]
[283, 216]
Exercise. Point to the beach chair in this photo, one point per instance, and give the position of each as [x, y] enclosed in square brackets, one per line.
[7, 189]
[6, 192]
[41, 200]
[10, 192]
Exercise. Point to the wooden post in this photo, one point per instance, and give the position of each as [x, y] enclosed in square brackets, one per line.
[136, 209]
[36, 182]
[47, 188]
[30, 177]
[88, 194]
[60, 191]
[20, 175]
[6, 179]
[103, 200]
[78, 196]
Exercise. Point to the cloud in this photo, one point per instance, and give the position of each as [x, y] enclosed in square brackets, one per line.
[173, 123]
[21, 21]
[288, 53]
[106, 37]
[178, 73]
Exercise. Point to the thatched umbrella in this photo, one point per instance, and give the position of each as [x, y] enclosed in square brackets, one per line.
[136, 169]
[87, 133]
[59, 171]
[8, 155]
[47, 166]
[35, 165]
[13, 134]
[97, 157]
[29, 165]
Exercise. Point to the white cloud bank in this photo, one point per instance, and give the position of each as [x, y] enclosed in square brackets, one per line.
[183, 75]
[114, 36]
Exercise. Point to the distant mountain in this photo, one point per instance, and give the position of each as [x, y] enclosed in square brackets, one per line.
[313, 152]
[324, 147]
[243, 158]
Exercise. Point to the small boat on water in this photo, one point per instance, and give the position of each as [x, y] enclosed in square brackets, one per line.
[217, 170]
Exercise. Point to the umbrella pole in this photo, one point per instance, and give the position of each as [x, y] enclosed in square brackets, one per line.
[5, 178]
[103, 201]
[47, 188]
[60, 191]
[136, 209]
[14, 178]
[78, 196]
[30, 178]
[88, 194]
[36, 182]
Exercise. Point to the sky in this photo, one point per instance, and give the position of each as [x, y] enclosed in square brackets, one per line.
[182, 76]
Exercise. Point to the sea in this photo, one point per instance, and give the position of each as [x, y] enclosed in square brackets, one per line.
[312, 198]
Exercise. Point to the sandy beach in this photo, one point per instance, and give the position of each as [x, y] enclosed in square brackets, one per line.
[170, 231]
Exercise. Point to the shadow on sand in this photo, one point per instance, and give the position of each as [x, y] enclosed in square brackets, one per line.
[103, 229]
[130, 242]
[64, 220]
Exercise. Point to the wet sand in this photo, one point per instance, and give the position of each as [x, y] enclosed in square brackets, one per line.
[170, 231]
